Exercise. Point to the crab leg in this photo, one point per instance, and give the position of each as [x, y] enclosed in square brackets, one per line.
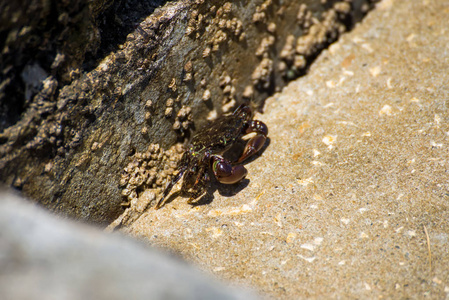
[199, 187]
[169, 187]
[225, 172]
[184, 161]
[256, 142]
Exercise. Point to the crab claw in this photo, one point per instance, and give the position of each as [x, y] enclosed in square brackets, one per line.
[252, 147]
[225, 172]
[255, 143]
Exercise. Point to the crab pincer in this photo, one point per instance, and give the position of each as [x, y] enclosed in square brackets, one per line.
[255, 143]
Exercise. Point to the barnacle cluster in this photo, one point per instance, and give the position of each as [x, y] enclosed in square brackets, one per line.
[316, 35]
[263, 73]
[188, 71]
[228, 88]
[222, 27]
[183, 120]
[261, 12]
[148, 170]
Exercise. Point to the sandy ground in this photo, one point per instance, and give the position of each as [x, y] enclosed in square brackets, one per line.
[351, 197]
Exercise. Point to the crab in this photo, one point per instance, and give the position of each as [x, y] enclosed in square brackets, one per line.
[203, 156]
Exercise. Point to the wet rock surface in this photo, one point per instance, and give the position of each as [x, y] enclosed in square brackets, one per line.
[350, 198]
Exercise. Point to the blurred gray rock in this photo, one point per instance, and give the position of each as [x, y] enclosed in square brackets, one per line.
[42, 257]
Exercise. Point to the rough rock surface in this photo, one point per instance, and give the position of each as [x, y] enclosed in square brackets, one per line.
[46, 258]
[350, 198]
[93, 89]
